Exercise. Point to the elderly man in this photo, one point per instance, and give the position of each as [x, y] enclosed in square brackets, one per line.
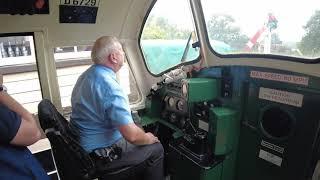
[102, 117]
[18, 129]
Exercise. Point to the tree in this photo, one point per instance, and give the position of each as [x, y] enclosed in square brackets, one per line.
[153, 29]
[221, 28]
[160, 28]
[309, 44]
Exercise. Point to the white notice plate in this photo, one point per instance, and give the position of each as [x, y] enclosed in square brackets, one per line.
[284, 97]
[280, 77]
[270, 157]
[203, 125]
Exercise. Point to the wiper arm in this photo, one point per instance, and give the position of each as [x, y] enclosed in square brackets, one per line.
[186, 49]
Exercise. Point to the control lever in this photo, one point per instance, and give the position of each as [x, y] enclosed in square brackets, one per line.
[193, 128]
[136, 118]
[154, 89]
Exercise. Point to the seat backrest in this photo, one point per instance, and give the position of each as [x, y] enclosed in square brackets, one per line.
[73, 162]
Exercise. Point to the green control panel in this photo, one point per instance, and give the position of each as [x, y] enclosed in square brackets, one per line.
[197, 132]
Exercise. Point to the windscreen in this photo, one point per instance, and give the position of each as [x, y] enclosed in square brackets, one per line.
[168, 34]
[285, 28]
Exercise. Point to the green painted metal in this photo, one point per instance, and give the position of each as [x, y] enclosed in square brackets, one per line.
[147, 120]
[184, 169]
[229, 165]
[212, 174]
[224, 124]
[253, 163]
[245, 105]
[226, 127]
[153, 104]
[202, 89]
[248, 148]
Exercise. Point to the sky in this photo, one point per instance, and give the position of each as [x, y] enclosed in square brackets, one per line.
[250, 15]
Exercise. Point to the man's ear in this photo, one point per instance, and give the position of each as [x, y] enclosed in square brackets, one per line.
[112, 58]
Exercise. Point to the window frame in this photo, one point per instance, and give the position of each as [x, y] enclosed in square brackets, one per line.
[141, 51]
[23, 68]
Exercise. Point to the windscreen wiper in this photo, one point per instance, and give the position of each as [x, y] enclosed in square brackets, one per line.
[186, 50]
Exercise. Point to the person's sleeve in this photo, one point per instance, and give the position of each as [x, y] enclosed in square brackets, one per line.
[9, 124]
[118, 110]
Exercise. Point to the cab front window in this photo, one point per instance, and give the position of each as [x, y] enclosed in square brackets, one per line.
[281, 28]
[168, 34]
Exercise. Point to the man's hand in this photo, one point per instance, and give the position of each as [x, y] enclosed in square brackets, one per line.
[136, 135]
[152, 139]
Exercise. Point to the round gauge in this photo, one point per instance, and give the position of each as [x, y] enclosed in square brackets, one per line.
[180, 105]
[171, 102]
[166, 98]
[184, 89]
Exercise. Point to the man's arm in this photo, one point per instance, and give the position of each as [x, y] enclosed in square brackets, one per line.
[28, 132]
[135, 135]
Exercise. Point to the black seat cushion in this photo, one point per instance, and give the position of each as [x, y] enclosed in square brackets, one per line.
[71, 159]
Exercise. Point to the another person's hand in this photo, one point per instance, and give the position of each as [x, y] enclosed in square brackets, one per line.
[28, 132]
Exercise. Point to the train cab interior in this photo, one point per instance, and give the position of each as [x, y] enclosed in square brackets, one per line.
[231, 89]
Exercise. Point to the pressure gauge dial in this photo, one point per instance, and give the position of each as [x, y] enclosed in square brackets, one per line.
[184, 89]
[180, 105]
[166, 98]
[171, 102]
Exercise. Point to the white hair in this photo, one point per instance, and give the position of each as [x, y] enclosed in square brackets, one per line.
[103, 47]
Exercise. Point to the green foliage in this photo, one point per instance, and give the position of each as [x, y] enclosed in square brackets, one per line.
[160, 28]
[221, 28]
[153, 32]
[309, 44]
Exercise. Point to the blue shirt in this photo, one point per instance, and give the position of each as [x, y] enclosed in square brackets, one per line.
[16, 162]
[99, 107]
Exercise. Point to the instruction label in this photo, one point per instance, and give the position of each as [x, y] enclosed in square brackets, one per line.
[203, 125]
[284, 97]
[280, 77]
[270, 157]
[272, 146]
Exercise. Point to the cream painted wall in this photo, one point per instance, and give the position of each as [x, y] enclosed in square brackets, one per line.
[112, 14]
[121, 18]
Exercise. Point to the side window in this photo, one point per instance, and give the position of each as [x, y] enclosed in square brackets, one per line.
[72, 61]
[19, 69]
[270, 27]
[167, 36]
